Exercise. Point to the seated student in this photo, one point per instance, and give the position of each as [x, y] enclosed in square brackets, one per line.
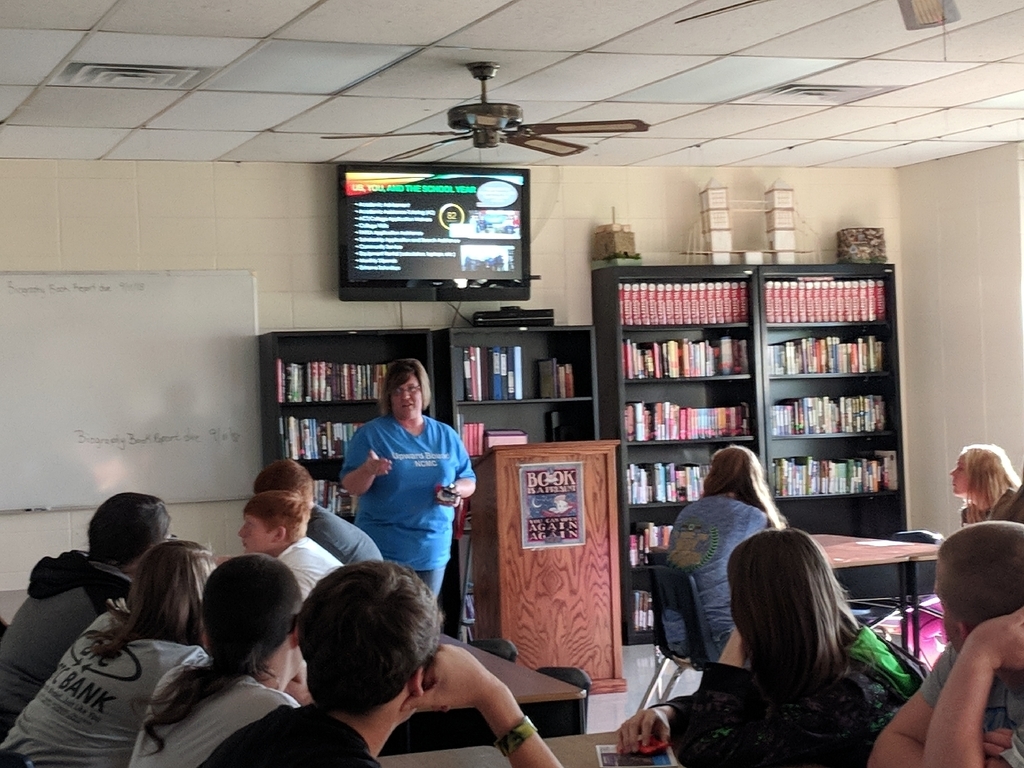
[369, 633]
[979, 576]
[736, 504]
[67, 593]
[88, 713]
[275, 524]
[798, 682]
[249, 609]
[335, 534]
[984, 478]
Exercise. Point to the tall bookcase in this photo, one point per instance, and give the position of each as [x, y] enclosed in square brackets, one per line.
[847, 314]
[543, 416]
[646, 466]
[317, 408]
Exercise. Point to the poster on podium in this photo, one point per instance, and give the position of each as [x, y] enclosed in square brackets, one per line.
[551, 499]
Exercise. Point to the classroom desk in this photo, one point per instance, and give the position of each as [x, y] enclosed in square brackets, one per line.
[573, 752]
[555, 707]
[894, 567]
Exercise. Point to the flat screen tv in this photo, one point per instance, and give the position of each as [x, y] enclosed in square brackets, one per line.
[433, 233]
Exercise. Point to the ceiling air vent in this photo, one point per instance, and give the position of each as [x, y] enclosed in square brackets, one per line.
[807, 93]
[131, 75]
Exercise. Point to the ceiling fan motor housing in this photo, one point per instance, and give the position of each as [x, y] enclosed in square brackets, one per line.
[502, 117]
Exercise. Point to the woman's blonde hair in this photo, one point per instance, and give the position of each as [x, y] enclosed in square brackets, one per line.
[791, 613]
[164, 601]
[397, 374]
[989, 475]
[737, 470]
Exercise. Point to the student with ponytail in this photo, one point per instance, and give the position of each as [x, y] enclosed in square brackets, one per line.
[249, 609]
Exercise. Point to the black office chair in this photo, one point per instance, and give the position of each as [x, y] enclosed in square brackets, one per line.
[497, 646]
[14, 760]
[676, 590]
[579, 678]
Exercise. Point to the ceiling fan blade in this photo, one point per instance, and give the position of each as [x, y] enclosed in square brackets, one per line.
[426, 147]
[544, 144]
[724, 9]
[591, 126]
[385, 135]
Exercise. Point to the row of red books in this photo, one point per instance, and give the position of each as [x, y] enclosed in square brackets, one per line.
[478, 439]
[707, 303]
[824, 301]
[645, 422]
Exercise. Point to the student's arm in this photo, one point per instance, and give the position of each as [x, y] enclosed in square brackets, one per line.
[901, 744]
[455, 679]
[955, 738]
[654, 723]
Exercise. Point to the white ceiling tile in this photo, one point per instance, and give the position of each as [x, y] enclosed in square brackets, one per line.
[718, 152]
[727, 79]
[195, 146]
[356, 114]
[888, 73]
[860, 33]
[816, 153]
[440, 73]
[1012, 130]
[1007, 101]
[291, 66]
[388, 21]
[505, 154]
[935, 124]
[215, 18]
[94, 107]
[908, 154]
[728, 32]
[983, 82]
[625, 151]
[58, 143]
[652, 114]
[120, 48]
[27, 56]
[595, 76]
[991, 40]
[53, 14]
[225, 111]
[728, 119]
[831, 122]
[11, 96]
[542, 25]
[289, 148]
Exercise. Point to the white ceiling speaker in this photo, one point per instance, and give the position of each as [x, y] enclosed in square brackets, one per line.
[921, 14]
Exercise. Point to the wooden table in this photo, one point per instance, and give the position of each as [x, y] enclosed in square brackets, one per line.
[894, 566]
[554, 706]
[572, 751]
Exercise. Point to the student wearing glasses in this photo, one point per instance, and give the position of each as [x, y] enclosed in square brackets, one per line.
[410, 473]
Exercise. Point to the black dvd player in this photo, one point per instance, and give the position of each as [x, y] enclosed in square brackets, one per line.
[514, 316]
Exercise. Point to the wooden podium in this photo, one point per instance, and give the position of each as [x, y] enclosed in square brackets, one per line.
[558, 601]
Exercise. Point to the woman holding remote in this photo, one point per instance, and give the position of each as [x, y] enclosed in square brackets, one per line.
[410, 473]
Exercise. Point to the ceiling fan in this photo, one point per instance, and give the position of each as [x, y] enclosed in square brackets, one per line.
[489, 124]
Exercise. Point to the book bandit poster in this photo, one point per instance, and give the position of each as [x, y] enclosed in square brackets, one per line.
[552, 504]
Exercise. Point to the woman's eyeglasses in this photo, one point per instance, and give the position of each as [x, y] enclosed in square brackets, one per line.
[412, 389]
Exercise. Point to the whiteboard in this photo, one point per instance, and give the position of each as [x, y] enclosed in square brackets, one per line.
[136, 381]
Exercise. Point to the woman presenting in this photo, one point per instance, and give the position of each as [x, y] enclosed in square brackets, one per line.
[410, 472]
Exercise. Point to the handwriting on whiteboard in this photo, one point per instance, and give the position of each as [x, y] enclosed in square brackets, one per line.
[57, 287]
[126, 440]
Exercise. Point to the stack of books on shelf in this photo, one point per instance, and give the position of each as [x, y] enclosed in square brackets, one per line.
[824, 300]
[806, 476]
[682, 358]
[490, 373]
[324, 382]
[312, 440]
[554, 379]
[825, 416]
[643, 611]
[668, 421]
[647, 539]
[827, 355]
[331, 496]
[706, 303]
[478, 439]
[472, 434]
[665, 482]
